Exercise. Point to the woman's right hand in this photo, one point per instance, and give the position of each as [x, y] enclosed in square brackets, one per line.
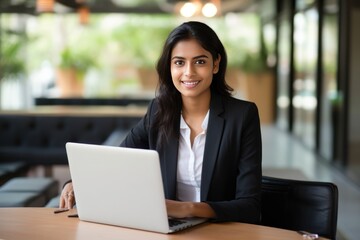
[67, 197]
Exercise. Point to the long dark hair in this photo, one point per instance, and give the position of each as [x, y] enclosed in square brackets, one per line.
[168, 97]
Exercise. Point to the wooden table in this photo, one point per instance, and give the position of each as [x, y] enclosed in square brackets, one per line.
[95, 111]
[42, 223]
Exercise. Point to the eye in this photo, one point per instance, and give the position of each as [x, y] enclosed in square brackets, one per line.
[179, 62]
[200, 61]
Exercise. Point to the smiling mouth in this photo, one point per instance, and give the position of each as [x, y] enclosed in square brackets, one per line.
[190, 83]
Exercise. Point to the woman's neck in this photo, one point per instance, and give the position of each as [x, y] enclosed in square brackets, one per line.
[194, 111]
[196, 106]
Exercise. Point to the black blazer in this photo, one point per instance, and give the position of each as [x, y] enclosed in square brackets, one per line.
[231, 173]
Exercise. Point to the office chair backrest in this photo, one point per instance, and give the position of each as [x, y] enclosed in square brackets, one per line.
[300, 205]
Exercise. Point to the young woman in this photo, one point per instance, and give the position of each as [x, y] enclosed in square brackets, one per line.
[208, 142]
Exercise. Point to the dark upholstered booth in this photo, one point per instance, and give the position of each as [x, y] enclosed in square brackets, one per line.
[37, 137]
[9, 170]
[40, 139]
[28, 192]
[300, 205]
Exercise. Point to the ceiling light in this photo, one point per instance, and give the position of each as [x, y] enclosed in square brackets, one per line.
[209, 10]
[188, 9]
[84, 13]
[45, 6]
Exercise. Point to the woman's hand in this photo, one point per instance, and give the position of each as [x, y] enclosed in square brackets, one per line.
[177, 209]
[67, 197]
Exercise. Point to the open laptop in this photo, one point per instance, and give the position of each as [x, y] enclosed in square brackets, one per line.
[121, 186]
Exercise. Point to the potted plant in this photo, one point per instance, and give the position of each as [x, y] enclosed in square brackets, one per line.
[73, 65]
[142, 49]
[258, 83]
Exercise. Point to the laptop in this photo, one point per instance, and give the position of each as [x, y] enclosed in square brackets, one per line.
[121, 186]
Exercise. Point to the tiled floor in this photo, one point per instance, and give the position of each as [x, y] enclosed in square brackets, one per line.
[284, 156]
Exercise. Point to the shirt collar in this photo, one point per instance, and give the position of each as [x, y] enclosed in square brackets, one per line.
[204, 125]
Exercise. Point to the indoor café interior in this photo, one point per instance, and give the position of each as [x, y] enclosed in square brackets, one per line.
[85, 71]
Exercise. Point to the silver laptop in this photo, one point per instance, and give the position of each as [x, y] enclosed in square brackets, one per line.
[122, 187]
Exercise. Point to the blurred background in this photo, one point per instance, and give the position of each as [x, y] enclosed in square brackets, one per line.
[109, 47]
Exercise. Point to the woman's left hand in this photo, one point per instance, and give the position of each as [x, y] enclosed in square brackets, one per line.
[177, 209]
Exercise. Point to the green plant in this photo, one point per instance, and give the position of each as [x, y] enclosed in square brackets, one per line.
[336, 99]
[140, 39]
[79, 60]
[254, 63]
[12, 63]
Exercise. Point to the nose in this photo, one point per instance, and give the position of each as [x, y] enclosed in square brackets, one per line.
[189, 70]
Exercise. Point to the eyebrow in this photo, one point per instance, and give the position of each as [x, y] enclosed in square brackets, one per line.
[197, 57]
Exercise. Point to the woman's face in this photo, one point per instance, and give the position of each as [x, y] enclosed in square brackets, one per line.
[192, 69]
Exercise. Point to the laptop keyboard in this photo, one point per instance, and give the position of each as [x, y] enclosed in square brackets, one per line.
[175, 222]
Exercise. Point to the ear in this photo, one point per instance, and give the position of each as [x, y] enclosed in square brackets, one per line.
[216, 64]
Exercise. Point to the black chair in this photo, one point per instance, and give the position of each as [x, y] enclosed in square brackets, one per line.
[300, 205]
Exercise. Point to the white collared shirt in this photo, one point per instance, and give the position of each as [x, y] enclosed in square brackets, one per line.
[190, 161]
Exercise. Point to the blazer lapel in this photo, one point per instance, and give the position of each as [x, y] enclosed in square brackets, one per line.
[170, 168]
[212, 144]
